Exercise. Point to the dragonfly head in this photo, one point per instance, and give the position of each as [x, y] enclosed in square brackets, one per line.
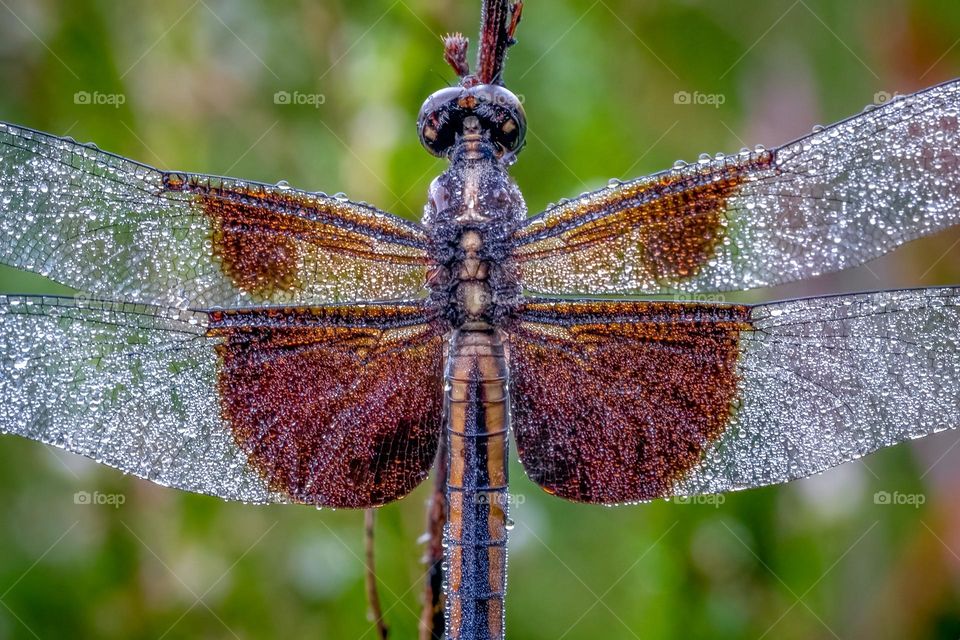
[497, 110]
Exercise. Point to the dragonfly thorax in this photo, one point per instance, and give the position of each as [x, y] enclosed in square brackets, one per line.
[473, 208]
[473, 284]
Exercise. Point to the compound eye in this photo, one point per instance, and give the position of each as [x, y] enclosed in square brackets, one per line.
[504, 111]
[434, 124]
[498, 112]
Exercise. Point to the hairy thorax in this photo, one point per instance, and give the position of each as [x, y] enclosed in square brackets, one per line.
[474, 207]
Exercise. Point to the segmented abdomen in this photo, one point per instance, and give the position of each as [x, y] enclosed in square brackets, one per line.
[475, 536]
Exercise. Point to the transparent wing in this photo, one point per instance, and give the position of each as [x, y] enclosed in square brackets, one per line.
[104, 224]
[837, 198]
[624, 401]
[827, 380]
[332, 406]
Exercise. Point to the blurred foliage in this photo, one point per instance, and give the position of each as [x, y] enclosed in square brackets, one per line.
[814, 559]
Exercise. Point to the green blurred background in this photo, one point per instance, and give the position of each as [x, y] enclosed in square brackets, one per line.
[815, 559]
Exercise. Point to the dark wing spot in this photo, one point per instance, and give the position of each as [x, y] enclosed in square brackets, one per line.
[614, 402]
[331, 416]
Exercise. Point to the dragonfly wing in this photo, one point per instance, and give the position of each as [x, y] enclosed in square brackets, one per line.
[104, 224]
[625, 401]
[827, 380]
[333, 406]
[832, 200]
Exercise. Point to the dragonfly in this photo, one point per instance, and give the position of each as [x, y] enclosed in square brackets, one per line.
[261, 343]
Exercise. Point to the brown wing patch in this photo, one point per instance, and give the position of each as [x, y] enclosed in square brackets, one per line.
[334, 406]
[668, 226]
[263, 236]
[613, 401]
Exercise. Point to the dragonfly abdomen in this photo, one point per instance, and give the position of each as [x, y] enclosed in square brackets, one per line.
[475, 536]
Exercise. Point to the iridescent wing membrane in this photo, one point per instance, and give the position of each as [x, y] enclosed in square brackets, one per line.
[265, 399]
[625, 401]
[331, 406]
[116, 228]
[832, 200]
